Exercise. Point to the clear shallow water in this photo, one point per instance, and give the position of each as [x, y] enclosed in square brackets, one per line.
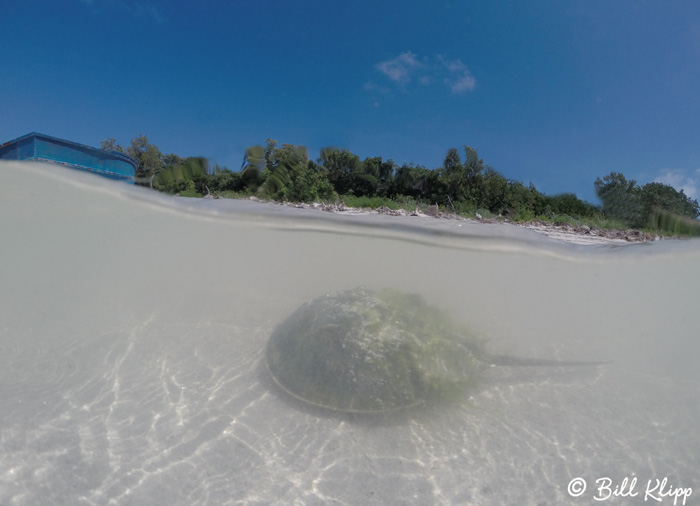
[132, 329]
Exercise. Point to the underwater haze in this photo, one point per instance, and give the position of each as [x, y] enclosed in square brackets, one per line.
[133, 329]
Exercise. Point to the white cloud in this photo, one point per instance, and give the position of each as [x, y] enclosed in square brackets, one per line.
[401, 68]
[462, 83]
[453, 66]
[407, 67]
[680, 179]
[371, 86]
[460, 79]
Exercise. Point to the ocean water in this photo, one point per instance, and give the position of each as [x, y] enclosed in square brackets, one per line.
[132, 336]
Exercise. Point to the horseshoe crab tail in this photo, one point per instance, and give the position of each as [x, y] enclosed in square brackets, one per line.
[508, 360]
[534, 362]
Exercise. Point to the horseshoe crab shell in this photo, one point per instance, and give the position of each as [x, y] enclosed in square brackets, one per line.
[366, 351]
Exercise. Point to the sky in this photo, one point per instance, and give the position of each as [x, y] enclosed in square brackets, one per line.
[554, 93]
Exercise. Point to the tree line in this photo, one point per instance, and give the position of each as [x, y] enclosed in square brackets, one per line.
[463, 184]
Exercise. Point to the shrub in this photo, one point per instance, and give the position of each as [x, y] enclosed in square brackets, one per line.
[309, 186]
[372, 202]
[667, 221]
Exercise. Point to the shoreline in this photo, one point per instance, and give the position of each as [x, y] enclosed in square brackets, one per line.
[582, 235]
[561, 232]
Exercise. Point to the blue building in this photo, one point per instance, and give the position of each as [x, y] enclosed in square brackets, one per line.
[40, 147]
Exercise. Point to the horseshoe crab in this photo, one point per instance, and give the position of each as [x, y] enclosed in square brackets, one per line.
[365, 351]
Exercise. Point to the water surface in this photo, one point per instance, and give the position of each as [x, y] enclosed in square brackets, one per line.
[133, 327]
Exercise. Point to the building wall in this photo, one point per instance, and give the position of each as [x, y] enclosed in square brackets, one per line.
[45, 148]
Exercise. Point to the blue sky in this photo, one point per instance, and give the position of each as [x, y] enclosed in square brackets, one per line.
[555, 93]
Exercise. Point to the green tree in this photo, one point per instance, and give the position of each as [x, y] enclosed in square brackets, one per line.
[463, 181]
[225, 180]
[386, 171]
[171, 160]
[454, 177]
[452, 163]
[283, 165]
[519, 199]
[253, 167]
[311, 185]
[412, 181]
[341, 166]
[655, 196]
[110, 144]
[474, 173]
[272, 170]
[150, 160]
[493, 191]
[176, 178]
[621, 198]
[383, 170]
[147, 155]
[368, 181]
[567, 204]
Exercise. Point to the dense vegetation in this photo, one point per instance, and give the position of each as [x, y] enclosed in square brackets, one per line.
[464, 185]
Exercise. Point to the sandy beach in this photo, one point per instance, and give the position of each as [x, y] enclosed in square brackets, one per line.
[560, 232]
